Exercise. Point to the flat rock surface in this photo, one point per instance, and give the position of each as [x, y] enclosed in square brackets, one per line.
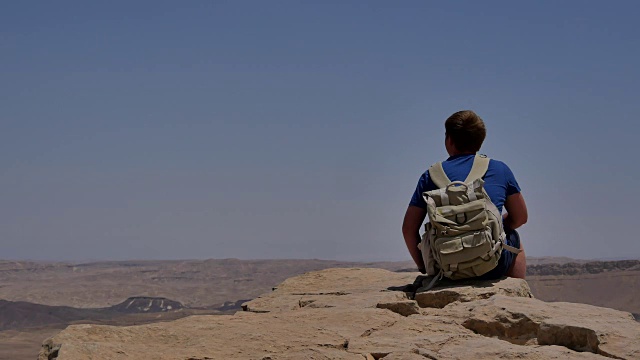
[449, 291]
[371, 314]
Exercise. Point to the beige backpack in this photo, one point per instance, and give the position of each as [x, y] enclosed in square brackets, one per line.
[464, 236]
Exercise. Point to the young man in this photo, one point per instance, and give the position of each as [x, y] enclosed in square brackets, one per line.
[465, 132]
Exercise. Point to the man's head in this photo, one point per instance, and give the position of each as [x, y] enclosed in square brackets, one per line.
[465, 131]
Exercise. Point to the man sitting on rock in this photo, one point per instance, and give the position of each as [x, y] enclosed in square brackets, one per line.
[465, 132]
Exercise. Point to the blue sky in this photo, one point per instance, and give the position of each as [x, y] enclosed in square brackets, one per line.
[298, 129]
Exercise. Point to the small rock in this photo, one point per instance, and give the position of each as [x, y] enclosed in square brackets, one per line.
[404, 308]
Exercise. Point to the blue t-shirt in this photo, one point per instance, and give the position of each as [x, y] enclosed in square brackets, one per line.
[499, 183]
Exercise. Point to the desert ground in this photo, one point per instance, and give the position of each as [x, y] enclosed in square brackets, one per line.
[38, 299]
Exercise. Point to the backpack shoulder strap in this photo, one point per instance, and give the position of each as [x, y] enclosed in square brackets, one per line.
[479, 168]
[437, 175]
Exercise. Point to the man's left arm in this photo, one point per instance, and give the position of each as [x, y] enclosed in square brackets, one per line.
[517, 214]
[514, 204]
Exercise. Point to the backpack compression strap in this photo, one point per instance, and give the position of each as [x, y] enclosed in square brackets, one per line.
[479, 168]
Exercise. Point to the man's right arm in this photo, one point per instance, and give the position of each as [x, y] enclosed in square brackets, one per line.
[413, 219]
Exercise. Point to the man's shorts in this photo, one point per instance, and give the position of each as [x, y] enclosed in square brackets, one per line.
[506, 258]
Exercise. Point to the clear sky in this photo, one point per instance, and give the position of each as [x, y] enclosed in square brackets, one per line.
[298, 129]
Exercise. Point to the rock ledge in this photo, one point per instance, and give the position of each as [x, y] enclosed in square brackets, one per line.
[369, 314]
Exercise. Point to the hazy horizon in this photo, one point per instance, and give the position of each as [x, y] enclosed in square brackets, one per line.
[199, 130]
[98, 260]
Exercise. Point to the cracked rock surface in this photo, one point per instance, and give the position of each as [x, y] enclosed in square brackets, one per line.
[367, 314]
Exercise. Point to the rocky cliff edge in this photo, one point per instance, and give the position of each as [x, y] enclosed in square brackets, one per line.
[365, 314]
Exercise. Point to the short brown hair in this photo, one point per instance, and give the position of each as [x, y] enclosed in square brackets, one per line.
[466, 130]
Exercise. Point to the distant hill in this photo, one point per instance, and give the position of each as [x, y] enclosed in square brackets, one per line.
[21, 314]
[25, 315]
[579, 268]
[612, 284]
[145, 304]
[553, 260]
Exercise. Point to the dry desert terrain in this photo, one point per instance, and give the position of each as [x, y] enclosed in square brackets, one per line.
[38, 299]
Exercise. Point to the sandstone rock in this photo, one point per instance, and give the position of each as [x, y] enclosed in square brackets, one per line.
[370, 314]
[578, 327]
[402, 307]
[464, 291]
[333, 288]
[406, 356]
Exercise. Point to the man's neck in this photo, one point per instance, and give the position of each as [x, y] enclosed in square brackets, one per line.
[458, 153]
